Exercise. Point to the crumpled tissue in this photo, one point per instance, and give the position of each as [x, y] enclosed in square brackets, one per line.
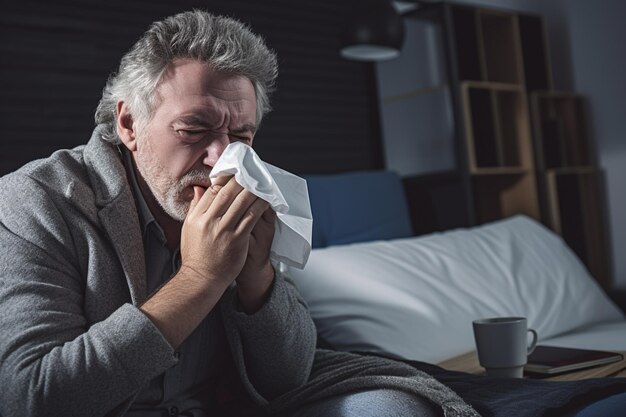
[287, 194]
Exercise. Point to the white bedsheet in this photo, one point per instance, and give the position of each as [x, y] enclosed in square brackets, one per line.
[416, 298]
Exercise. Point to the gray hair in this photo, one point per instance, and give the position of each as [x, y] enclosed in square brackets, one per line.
[225, 44]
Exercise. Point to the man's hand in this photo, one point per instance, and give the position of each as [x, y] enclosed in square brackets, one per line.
[255, 274]
[216, 232]
[214, 247]
[256, 277]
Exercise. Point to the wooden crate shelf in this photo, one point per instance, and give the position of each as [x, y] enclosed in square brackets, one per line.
[521, 147]
[497, 126]
[488, 45]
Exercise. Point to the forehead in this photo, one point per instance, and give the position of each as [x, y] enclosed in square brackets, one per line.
[190, 86]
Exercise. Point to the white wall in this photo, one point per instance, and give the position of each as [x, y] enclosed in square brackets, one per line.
[415, 104]
[598, 31]
[587, 53]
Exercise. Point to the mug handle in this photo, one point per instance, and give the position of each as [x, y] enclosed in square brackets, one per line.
[533, 343]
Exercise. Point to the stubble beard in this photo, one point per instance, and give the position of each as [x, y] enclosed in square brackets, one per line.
[168, 191]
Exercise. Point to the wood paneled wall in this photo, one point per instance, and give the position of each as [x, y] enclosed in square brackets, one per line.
[56, 55]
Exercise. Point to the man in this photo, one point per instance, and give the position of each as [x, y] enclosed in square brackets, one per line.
[85, 333]
[130, 285]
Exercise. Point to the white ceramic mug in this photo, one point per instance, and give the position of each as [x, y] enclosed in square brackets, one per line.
[502, 345]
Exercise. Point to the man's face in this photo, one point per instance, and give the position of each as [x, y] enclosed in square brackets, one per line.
[199, 112]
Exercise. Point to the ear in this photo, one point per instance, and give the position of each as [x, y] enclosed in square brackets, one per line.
[125, 124]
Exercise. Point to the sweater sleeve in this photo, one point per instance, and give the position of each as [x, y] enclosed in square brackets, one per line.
[53, 360]
[273, 348]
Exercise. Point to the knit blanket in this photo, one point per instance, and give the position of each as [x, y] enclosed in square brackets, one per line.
[337, 373]
[457, 393]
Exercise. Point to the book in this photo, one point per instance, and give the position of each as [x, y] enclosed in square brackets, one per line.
[551, 360]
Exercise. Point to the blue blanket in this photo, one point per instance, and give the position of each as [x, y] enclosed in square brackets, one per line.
[505, 397]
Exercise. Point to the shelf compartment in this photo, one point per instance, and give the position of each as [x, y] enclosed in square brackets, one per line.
[468, 57]
[487, 45]
[497, 126]
[576, 213]
[503, 195]
[499, 40]
[560, 131]
[537, 71]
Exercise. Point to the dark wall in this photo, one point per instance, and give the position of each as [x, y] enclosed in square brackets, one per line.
[56, 55]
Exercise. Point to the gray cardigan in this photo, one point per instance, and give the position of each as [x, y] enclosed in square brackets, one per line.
[72, 273]
[74, 343]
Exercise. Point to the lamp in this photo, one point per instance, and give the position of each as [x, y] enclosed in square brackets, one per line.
[376, 32]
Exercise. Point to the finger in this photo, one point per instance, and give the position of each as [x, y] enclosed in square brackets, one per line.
[252, 216]
[221, 180]
[269, 215]
[225, 198]
[218, 198]
[237, 209]
[266, 225]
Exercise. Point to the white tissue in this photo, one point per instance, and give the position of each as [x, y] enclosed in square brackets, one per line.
[287, 194]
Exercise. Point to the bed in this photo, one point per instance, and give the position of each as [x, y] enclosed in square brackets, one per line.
[372, 286]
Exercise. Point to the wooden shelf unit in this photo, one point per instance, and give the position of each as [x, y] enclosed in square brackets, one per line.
[488, 51]
[520, 147]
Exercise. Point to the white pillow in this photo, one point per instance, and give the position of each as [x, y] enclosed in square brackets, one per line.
[415, 298]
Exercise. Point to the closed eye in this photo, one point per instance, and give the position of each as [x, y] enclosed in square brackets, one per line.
[197, 134]
[191, 135]
[244, 139]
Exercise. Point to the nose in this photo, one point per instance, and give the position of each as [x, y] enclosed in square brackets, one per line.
[214, 149]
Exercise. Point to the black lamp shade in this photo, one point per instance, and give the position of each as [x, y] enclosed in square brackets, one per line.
[375, 32]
